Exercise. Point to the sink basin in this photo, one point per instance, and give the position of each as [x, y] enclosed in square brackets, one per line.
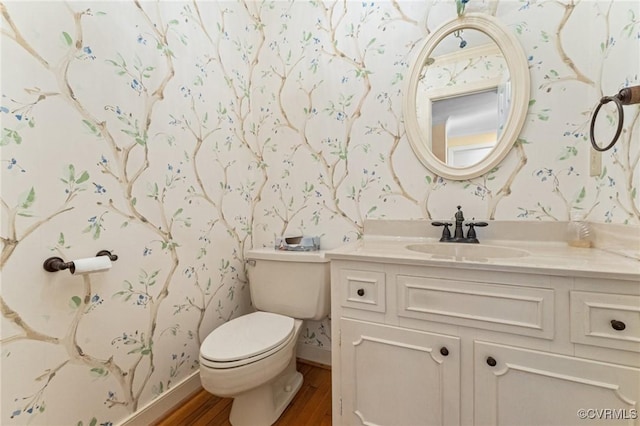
[467, 251]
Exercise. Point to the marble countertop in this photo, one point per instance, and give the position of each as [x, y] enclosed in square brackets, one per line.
[541, 257]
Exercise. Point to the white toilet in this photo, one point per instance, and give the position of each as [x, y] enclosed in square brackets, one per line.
[252, 358]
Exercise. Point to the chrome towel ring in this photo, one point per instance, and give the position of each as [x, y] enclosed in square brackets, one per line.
[626, 96]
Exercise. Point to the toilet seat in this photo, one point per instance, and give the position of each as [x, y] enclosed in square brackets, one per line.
[246, 339]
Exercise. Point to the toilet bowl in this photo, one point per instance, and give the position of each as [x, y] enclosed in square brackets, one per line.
[255, 369]
[252, 358]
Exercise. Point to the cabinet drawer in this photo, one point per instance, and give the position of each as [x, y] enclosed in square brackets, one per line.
[607, 320]
[522, 310]
[362, 290]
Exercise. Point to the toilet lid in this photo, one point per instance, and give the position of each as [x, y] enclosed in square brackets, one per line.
[246, 336]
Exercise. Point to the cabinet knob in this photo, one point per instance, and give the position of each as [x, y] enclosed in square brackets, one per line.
[618, 325]
[444, 351]
[360, 292]
[491, 362]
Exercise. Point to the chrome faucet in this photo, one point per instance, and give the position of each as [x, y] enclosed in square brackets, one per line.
[458, 234]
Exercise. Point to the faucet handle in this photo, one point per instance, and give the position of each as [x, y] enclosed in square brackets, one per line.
[480, 224]
[441, 223]
[471, 234]
[446, 234]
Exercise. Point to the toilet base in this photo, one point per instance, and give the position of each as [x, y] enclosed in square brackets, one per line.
[263, 405]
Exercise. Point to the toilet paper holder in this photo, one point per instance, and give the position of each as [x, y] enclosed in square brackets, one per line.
[55, 264]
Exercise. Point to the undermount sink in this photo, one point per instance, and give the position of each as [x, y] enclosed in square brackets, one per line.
[467, 251]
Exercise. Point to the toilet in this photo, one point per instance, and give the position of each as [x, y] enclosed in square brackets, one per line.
[252, 358]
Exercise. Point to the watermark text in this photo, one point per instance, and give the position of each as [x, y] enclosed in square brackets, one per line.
[607, 414]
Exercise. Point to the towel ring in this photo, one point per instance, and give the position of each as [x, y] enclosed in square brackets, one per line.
[626, 96]
[603, 101]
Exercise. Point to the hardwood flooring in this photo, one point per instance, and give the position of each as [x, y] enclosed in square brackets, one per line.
[310, 407]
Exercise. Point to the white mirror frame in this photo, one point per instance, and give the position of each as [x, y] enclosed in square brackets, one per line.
[518, 72]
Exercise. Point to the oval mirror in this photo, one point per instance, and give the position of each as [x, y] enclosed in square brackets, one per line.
[466, 97]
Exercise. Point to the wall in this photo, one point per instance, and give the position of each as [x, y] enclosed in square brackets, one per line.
[120, 132]
[179, 134]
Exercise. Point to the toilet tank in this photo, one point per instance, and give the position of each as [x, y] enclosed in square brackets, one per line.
[291, 283]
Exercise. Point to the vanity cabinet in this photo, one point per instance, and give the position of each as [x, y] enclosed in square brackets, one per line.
[518, 386]
[421, 345]
[394, 376]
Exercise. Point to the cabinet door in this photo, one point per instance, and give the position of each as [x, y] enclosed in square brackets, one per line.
[524, 387]
[394, 376]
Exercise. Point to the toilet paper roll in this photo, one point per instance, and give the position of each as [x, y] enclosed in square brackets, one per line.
[90, 264]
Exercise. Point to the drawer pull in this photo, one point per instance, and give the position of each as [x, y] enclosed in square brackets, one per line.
[491, 362]
[360, 292]
[618, 325]
[444, 351]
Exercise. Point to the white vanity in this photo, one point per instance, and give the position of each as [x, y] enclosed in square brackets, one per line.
[508, 332]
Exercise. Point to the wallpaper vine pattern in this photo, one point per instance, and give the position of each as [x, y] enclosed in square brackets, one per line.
[180, 134]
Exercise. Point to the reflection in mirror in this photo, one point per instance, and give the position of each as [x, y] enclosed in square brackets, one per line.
[464, 129]
[463, 97]
[466, 96]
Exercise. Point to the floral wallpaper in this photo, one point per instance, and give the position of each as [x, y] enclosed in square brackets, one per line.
[179, 134]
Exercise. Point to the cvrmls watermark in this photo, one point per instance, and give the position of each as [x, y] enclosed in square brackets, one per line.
[607, 414]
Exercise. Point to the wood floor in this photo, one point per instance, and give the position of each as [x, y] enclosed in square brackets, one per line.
[310, 407]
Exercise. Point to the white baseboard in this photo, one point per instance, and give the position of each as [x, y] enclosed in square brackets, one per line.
[314, 353]
[165, 403]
